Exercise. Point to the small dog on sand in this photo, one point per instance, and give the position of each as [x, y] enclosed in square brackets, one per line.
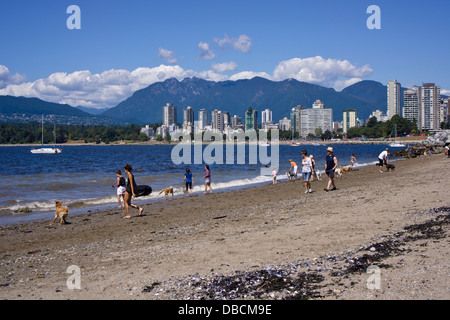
[61, 213]
[290, 176]
[167, 191]
[346, 170]
[390, 167]
[338, 172]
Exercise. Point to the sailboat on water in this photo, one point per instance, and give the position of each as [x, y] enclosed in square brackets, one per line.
[47, 150]
[395, 144]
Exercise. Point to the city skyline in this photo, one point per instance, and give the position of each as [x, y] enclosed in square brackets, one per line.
[120, 49]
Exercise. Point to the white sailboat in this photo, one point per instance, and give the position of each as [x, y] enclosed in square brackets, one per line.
[47, 150]
[396, 144]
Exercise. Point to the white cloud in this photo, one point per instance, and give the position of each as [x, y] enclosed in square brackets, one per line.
[205, 52]
[243, 43]
[224, 67]
[445, 92]
[167, 55]
[249, 75]
[6, 78]
[326, 72]
[100, 90]
[108, 88]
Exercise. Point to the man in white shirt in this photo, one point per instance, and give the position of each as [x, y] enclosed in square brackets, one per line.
[383, 159]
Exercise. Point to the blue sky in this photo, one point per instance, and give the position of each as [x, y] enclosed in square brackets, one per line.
[123, 46]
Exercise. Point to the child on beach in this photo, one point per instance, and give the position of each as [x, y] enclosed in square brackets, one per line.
[274, 176]
[293, 170]
[207, 178]
[120, 188]
[189, 180]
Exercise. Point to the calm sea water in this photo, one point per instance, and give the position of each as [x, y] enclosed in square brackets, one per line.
[82, 176]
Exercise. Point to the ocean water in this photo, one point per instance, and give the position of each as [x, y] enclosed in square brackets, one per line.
[82, 176]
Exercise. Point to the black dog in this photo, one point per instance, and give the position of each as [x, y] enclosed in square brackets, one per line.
[390, 167]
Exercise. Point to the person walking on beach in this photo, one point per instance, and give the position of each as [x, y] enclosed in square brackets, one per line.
[313, 171]
[352, 160]
[189, 180]
[207, 178]
[293, 170]
[306, 171]
[383, 159]
[331, 164]
[130, 192]
[120, 188]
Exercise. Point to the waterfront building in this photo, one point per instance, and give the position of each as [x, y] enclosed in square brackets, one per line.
[394, 92]
[251, 119]
[169, 115]
[349, 119]
[317, 117]
[285, 124]
[429, 96]
[411, 105]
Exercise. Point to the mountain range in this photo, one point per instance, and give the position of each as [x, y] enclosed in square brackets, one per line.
[146, 105]
[21, 109]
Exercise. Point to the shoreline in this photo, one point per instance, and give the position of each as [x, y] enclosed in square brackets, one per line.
[240, 232]
[172, 143]
[81, 210]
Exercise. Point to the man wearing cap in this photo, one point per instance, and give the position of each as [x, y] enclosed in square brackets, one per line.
[331, 164]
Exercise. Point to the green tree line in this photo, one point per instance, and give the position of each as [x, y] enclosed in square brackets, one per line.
[378, 129]
[27, 133]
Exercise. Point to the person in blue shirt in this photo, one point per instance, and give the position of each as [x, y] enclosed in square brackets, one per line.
[189, 180]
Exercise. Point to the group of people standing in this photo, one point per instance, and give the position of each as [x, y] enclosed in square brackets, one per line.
[189, 180]
[309, 172]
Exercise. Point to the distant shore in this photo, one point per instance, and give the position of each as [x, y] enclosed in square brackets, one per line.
[281, 142]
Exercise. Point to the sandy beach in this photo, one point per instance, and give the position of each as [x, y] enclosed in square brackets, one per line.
[180, 247]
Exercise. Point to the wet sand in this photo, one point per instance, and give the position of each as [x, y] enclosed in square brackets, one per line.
[157, 255]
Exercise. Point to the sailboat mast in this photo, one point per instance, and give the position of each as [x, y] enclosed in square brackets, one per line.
[42, 131]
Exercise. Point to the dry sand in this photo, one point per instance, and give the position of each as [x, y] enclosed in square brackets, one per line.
[241, 231]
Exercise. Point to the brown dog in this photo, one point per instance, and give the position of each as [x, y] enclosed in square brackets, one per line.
[346, 170]
[167, 191]
[61, 213]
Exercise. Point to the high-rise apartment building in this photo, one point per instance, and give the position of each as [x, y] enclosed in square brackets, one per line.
[266, 116]
[317, 117]
[251, 119]
[411, 105]
[188, 120]
[217, 123]
[295, 116]
[349, 119]
[394, 99]
[203, 119]
[226, 119]
[236, 122]
[169, 115]
[429, 97]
